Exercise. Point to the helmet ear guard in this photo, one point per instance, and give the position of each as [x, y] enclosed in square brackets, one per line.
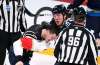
[69, 12]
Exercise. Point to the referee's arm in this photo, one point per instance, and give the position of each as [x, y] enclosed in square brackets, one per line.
[92, 51]
[23, 22]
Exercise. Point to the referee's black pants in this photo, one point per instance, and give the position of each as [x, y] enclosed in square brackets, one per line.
[6, 40]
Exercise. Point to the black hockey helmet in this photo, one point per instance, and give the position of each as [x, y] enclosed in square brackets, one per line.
[79, 11]
[59, 9]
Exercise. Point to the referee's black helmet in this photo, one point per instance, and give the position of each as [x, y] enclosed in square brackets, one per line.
[79, 11]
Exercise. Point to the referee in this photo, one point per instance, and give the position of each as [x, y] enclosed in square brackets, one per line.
[12, 20]
[76, 45]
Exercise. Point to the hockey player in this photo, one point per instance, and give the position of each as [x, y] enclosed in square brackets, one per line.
[31, 42]
[61, 18]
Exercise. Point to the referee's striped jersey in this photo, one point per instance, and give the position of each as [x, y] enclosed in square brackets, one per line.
[76, 45]
[12, 15]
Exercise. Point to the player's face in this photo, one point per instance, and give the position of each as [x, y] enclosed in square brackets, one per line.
[49, 36]
[59, 19]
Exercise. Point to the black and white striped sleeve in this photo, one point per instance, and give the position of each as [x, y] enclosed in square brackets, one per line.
[92, 51]
[23, 23]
